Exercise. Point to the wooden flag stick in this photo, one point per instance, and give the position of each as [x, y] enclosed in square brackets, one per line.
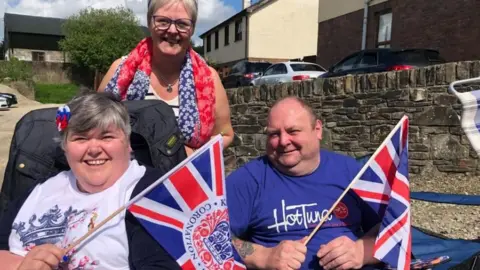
[95, 228]
[141, 194]
[360, 173]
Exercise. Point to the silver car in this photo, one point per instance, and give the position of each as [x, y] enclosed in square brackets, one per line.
[289, 72]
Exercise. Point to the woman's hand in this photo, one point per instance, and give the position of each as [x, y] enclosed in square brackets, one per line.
[43, 257]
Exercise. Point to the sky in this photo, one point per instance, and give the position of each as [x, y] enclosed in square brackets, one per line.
[211, 12]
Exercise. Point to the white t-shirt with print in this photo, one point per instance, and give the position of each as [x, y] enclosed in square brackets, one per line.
[56, 212]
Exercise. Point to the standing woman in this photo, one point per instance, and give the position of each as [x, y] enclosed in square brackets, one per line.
[165, 67]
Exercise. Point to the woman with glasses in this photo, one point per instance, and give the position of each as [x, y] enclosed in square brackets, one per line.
[164, 66]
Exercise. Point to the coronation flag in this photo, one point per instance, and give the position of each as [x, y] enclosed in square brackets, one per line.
[186, 211]
[383, 183]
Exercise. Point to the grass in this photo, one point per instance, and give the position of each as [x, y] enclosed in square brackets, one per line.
[55, 93]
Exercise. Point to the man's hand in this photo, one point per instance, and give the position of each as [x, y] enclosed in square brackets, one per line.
[286, 255]
[44, 257]
[341, 253]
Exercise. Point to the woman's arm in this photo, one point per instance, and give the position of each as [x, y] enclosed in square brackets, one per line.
[223, 124]
[108, 76]
[10, 260]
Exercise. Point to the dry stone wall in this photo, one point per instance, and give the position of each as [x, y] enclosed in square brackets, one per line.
[359, 111]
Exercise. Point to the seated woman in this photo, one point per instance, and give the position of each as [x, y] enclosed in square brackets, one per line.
[34, 234]
[164, 66]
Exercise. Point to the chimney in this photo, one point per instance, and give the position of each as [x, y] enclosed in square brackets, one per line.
[246, 3]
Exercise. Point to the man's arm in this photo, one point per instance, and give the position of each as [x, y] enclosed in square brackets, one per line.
[253, 255]
[286, 255]
[367, 243]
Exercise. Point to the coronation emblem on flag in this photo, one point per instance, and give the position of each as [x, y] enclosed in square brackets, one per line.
[188, 214]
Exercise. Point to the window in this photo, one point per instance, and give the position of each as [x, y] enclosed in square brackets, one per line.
[280, 69]
[38, 56]
[209, 44]
[216, 40]
[368, 60]
[238, 30]
[384, 30]
[347, 64]
[269, 71]
[305, 67]
[227, 35]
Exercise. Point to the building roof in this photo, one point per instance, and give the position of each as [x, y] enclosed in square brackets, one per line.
[19, 23]
[250, 9]
[33, 24]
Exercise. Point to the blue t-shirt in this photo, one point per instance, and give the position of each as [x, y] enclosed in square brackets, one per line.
[267, 207]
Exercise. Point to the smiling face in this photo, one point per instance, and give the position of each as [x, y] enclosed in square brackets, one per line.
[171, 28]
[98, 158]
[293, 138]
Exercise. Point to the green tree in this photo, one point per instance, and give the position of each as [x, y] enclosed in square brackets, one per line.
[94, 38]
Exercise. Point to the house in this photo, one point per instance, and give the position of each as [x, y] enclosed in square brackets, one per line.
[31, 38]
[268, 30]
[447, 26]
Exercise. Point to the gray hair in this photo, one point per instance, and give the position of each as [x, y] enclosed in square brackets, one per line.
[96, 110]
[190, 5]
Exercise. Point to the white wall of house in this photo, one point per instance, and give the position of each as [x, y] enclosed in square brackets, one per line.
[27, 55]
[329, 9]
[284, 29]
[235, 50]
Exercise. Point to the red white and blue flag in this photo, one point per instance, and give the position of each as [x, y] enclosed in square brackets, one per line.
[383, 183]
[186, 212]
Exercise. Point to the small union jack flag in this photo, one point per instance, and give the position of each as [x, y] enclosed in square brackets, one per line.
[187, 212]
[383, 183]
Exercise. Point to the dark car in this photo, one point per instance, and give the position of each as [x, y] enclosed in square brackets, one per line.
[243, 72]
[381, 60]
[11, 98]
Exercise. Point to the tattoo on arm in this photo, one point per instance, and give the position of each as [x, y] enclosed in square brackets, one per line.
[244, 248]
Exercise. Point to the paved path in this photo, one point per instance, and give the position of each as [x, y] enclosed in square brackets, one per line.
[8, 120]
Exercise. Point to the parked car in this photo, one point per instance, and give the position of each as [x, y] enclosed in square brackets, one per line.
[381, 60]
[10, 98]
[3, 103]
[243, 72]
[289, 72]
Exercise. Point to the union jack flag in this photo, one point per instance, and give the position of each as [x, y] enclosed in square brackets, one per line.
[383, 183]
[186, 212]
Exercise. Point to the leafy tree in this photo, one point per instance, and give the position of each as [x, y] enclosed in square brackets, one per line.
[94, 38]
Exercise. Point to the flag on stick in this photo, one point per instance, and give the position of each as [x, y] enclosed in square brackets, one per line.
[383, 183]
[187, 213]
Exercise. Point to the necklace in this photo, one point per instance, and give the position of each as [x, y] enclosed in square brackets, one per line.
[169, 85]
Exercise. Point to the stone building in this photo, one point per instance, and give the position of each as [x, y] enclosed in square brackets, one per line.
[31, 38]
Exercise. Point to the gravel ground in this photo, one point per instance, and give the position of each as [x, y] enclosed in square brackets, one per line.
[450, 220]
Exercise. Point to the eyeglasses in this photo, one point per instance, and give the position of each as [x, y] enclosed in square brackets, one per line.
[163, 23]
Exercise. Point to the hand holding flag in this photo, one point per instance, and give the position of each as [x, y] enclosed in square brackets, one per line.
[383, 184]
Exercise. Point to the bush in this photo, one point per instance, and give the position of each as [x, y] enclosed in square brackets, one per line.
[16, 70]
[55, 93]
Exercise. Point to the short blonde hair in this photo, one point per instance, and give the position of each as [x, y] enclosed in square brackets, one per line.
[190, 5]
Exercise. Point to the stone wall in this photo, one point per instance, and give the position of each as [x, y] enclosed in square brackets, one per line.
[359, 111]
[50, 56]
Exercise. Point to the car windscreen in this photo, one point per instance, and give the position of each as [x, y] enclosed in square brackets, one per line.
[305, 67]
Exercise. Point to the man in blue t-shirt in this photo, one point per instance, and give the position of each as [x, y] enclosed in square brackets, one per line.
[276, 201]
